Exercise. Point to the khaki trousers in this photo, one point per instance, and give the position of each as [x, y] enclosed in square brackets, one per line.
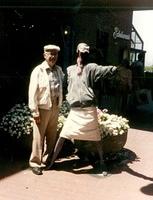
[44, 137]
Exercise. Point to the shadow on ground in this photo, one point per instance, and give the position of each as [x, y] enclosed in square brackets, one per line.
[116, 163]
[148, 189]
[13, 157]
[10, 166]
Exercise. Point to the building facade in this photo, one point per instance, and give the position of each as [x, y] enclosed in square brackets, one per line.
[24, 32]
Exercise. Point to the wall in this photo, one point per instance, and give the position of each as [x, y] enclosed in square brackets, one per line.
[86, 25]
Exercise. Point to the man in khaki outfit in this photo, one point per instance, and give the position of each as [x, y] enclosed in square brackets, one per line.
[45, 98]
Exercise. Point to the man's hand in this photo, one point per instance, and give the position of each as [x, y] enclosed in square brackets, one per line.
[37, 119]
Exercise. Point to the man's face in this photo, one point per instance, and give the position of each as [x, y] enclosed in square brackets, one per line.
[51, 57]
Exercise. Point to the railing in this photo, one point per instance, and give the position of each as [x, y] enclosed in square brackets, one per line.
[136, 40]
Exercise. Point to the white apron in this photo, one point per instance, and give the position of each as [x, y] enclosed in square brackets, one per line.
[82, 124]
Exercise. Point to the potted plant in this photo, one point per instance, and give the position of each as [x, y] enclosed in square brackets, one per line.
[114, 131]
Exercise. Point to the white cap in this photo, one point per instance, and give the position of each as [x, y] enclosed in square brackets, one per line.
[51, 47]
[83, 47]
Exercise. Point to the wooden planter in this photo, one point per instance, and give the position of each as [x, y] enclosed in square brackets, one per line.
[110, 144]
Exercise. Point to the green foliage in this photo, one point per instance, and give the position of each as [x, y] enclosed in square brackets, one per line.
[149, 68]
[17, 121]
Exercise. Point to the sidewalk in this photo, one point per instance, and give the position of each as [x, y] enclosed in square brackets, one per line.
[131, 178]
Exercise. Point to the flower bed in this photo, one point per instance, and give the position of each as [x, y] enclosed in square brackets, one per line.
[18, 123]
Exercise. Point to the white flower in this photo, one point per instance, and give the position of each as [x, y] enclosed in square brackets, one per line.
[111, 124]
[18, 121]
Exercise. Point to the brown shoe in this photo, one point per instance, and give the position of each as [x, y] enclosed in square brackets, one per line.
[37, 170]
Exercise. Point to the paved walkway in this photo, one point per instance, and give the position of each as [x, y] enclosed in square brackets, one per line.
[131, 178]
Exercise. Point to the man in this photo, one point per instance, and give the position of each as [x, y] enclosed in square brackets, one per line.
[137, 68]
[45, 98]
[82, 121]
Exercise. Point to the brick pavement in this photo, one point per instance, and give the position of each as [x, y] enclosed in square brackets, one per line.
[131, 180]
